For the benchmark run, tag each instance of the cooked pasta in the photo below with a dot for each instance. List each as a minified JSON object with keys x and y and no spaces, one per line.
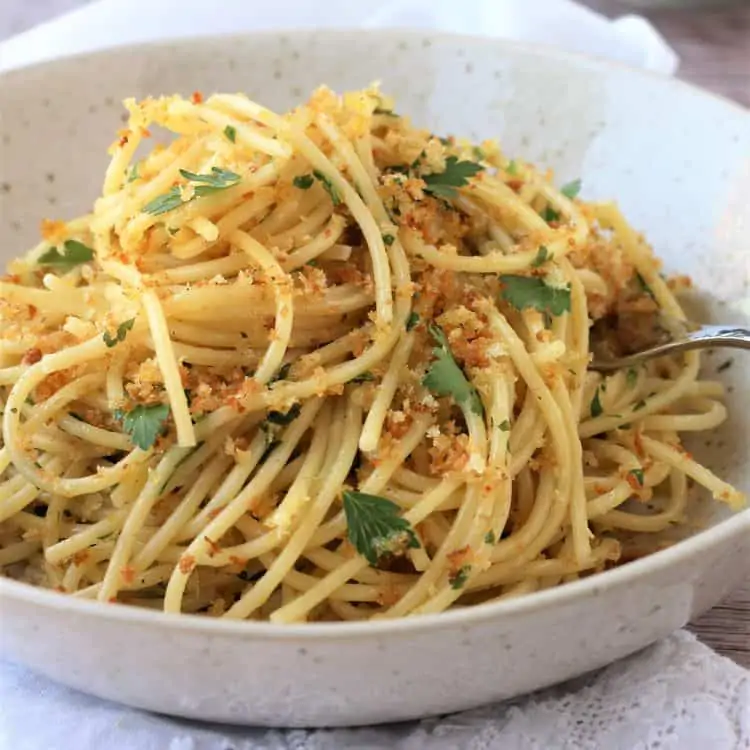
{"x":328,"y":366}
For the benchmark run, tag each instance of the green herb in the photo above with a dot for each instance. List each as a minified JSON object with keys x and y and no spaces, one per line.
{"x":412,"y":321}
{"x":643,"y":286}
{"x":478,"y":153}
{"x":542,"y":256}
{"x":328,"y":186}
{"x":173,"y":231}
{"x":122,"y":332}
{"x":512,"y":168}
{"x":208,"y":184}
{"x":632,"y":377}
{"x":572,"y":189}
{"x":29,"y":400}
{"x":388,"y":239}
{"x":549,"y":214}
{"x":144,"y":423}
{"x":638,"y":474}
{"x":456,"y":174}
{"x":639,"y":405}
{"x":374,"y":526}
{"x":303,"y":181}
{"x":724,"y":366}
{"x":74,"y":253}
{"x":458,"y":579}
{"x":445,"y":141}
{"x":134,"y":172}
{"x":504,"y":426}
{"x":489,"y":537}
{"x":383,"y":111}
{"x":446,"y":378}
{"x":530,"y":291}
{"x":231,"y":133}
{"x":282,"y":374}
{"x":596,"y":405}
{"x":282,"y":418}
{"x":365,"y":377}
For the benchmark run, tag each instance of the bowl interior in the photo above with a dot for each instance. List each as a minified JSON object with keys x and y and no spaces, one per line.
{"x":676,"y":160}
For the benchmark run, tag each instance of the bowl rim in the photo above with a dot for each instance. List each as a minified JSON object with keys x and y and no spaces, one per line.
{"x":697,"y":544}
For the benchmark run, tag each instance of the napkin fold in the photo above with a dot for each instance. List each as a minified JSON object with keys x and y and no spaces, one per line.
{"x":675,"y":695}
{"x":631,"y":40}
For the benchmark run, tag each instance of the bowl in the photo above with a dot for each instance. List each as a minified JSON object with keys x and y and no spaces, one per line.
{"x":678,"y":162}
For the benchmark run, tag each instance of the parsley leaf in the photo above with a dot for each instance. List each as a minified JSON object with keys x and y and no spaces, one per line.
{"x":303,"y":181}
{"x":134,"y":172}
{"x":374,"y":526}
{"x":504,"y":426}
{"x":489,"y":537}
{"x":530,"y":291}
{"x":549,"y":214}
{"x":388,"y":239}
{"x":231,"y":133}
{"x":632,"y":377}
{"x":144,"y":424}
{"x":412,"y":321}
{"x":122,"y":332}
{"x":512,"y":168}
{"x":596,"y":405}
{"x":446,"y":378}
{"x":639,"y":405}
{"x":207,"y":184}
{"x":458,"y":579}
{"x":456,"y":174}
{"x":637,"y":475}
{"x":365,"y":377}
{"x":163,"y":203}
{"x":571,"y":189}
{"x":643,"y":286}
{"x":328,"y":185}
{"x":282,"y":374}
{"x":542,"y":256}
{"x":74,"y":253}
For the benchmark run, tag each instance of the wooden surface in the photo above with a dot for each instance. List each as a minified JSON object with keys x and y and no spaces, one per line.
{"x":714,"y":48}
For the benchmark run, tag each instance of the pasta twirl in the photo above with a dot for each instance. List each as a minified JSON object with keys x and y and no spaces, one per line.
{"x":326,"y":365}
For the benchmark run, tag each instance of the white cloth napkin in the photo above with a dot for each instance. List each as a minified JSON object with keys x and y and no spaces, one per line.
{"x":677,"y":694}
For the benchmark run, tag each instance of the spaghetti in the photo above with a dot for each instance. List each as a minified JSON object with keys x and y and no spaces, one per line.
{"x":328,"y":366}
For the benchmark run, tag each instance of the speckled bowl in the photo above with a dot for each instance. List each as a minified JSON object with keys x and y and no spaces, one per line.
{"x":678,"y":161}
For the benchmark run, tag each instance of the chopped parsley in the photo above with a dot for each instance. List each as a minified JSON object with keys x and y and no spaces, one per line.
{"x":207,"y":184}
{"x":489,"y":537}
{"x":549,"y":214}
{"x":512,"y":168}
{"x":446,"y":378}
{"x":144,"y":424}
{"x":643,"y":286}
{"x":458,"y":579}
{"x":596,"y":405}
{"x":388,"y":239}
{"x":374,"y":526}
{"x":571,"y":189}
{"x":529,"y":291}
{"x":231,"y":133}
{"x":631,"y":378}
{"x":478,"y":153}
{"x":456,"y":174}
{"x":283,"y":418}
{"x":365,"y":377}
{"x":122,"y":332}
{"x":542,"y":256}
{"x":74,"y":253}
{"x":504,"y":426}
{"x":134,"y":172}
{"x":282,"y":374}
{"x":328,"y":186}
{"x":303,"y":181}
{"x":412,"y":321}
{"x":724,"y":366}
{"x":639,"y":405}
{"x":637,"y":475}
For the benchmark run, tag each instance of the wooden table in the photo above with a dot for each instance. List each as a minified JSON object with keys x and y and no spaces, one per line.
{"x":714,"y":47}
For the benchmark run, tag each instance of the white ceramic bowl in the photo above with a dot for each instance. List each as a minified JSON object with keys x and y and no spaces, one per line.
{"x":677,"y":160}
